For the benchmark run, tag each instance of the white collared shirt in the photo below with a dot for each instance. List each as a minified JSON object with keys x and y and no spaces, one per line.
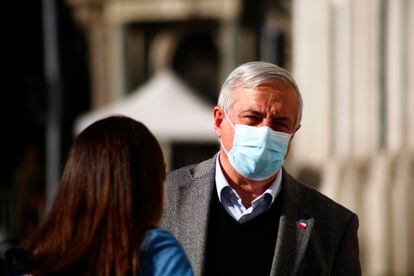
{"x":232,"y":202}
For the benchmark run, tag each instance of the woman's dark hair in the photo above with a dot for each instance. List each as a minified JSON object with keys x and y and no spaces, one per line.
{"x":110,"y":193}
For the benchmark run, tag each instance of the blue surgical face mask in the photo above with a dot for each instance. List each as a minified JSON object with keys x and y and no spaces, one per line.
{"x":257,"y":152}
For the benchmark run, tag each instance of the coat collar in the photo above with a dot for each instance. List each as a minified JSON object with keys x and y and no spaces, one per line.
{"x":295,"y":228}
{"x":193,"y":202}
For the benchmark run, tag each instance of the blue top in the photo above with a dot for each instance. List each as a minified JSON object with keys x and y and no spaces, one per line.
{"x":161,"y":254}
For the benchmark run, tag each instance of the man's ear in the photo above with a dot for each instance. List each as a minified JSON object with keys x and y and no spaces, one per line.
{"x":218,"y":120}
{"x":291,"y":138}
{"x":297,"y":128}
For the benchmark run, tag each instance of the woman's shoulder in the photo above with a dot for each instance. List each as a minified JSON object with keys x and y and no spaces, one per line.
{"x":158,"y":232}
{"x":158,"y":240}
{"x":162,"y":254}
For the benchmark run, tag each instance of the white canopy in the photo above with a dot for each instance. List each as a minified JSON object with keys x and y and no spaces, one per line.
{"x":166,"y":106}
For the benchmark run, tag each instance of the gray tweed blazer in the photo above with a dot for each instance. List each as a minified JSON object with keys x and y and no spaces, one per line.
{"x":326,"y":244}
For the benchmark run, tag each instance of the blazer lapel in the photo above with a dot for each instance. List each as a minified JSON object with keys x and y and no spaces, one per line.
{"x":194,"y":202}
{"x":295,"y":228}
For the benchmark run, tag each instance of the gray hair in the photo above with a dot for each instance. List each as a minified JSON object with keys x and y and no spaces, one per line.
{"x":252,"y":75}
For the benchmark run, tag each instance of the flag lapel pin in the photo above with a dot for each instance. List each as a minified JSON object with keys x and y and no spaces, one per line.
{"x":301,"y":224}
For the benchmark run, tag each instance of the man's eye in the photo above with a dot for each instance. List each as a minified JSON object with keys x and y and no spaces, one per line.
{"x":252,"y":118}
{"x":283,"y":127}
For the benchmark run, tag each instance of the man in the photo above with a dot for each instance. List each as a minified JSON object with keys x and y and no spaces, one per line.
{"x":241,"y":213}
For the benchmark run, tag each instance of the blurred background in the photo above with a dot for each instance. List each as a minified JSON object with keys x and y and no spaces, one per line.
{"x":69,"y":63}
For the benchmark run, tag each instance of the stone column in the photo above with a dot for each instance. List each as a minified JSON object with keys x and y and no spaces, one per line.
{"x":403,"y":215}
{"x":98,"y":64}
{"x":311,"y":54}
{"x":364,"y":79}
{"x":229,"y":41}
{"x":409,"y":57}
{"x":395,"y":72}
{"x":341,"y":78}
{"x":377,"y":217}
{"x":116,"y":61}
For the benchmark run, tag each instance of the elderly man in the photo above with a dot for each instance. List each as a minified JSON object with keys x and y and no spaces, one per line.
{"x":241,"y":213}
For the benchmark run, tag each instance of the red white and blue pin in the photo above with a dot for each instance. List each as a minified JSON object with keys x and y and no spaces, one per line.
{"x":301,"y":224}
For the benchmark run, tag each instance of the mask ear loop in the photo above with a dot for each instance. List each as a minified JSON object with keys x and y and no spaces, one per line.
{"x":222,"y":146}
{"x":228,"y":119}
{"x":221,"y":142}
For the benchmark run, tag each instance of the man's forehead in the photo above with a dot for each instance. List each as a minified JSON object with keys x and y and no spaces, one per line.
{"x":276,"y":82}
{"x":265,"y":97}
{"x":275,"y":91}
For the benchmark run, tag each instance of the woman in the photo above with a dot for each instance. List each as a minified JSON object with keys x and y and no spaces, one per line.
{"x":109,"y":202}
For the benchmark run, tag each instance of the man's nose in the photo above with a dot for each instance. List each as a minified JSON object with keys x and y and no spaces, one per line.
{"x":266,"y":122}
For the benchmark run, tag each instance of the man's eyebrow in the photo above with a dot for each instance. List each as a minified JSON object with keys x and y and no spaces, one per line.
{"x":280,"y":119}
{"x":283,"y":119}
{"x":252,"y":111}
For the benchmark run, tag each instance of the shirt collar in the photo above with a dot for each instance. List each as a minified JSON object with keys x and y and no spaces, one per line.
{"x":221,"y":183}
